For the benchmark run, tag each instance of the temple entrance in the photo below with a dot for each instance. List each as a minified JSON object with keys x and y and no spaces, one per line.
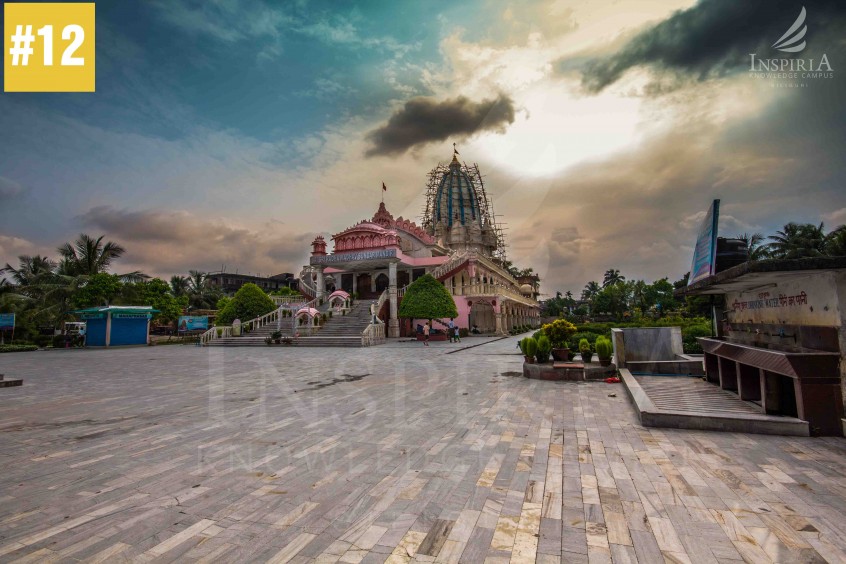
{"x":403,"y":279}
{"x":382,"y":283}
{"x":483,"y":316}
{"x":347,"y":283}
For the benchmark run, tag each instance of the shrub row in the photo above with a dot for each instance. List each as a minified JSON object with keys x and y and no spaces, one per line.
{"x":17,"y":348}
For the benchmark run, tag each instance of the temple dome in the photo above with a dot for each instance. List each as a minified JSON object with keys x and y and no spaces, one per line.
{"x":456,"y":201}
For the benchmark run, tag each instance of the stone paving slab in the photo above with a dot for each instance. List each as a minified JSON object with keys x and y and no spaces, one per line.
{"x":394,"y":453}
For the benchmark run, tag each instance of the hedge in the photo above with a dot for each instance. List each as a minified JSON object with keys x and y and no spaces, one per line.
{"x":17,"y":348}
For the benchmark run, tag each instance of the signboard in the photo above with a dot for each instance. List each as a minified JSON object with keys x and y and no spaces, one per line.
{"x":131,"y":315}
{"x":354,"y":256}
{"x":7,"y":321}
{"x":705,"y":251}
{"x":193,"y":323}
{"x":91,"y":315}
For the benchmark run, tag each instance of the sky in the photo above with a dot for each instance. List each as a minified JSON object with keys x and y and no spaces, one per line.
{"x":229,"y":133}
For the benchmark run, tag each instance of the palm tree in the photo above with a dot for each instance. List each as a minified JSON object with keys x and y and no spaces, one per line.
{"x":178,"y":285}
{"x":592,"y":288}
{"x":201,"y":294}
{"x":798,"y":241}
{"x":612,"y":276}
{"x":756,"y":249}
{"x":835,"y":242}
{"x":87,"y":256}
{"x":29,"y":269}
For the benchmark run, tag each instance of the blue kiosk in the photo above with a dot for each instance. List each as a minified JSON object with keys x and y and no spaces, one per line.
{"x":111,"y":326}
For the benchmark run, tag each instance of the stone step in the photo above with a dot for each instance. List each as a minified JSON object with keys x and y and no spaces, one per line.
{"x":301,"y":342}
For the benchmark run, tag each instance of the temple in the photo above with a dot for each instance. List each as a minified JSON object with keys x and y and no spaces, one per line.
{"x":458,"y":243}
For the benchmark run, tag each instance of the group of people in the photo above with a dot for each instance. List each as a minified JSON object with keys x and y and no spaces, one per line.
{"x":453,"y":332}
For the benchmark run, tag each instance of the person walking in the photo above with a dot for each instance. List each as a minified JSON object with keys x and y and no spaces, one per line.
{"x":451,"y":329}
{"x":457,"y":335}
{"x":426,"y":330}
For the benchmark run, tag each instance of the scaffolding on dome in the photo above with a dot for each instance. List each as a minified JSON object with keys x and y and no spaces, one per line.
{"x":486,"y":211}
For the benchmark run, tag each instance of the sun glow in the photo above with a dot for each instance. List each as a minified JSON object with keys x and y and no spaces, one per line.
{"x":559,"y":128}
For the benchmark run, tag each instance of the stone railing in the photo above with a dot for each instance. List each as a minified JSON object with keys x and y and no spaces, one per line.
{"x":306,"y":283}
{"x":374,"y":334}
{"x":381,"y":301}
{"x":482,"y":289}
{"x":401,"y":292}
{"x":285,"y":300}
{"x":454,"y":261}
{"x":212,"y":333}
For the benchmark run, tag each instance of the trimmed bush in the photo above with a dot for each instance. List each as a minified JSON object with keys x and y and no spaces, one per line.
{"x":17,"y":348}
{"x":544,"y":349}
{"x":604,"y":348}
{"x":426,"y":298}
{"x":531,"y":347}
{"x":248,"y":303}
{"x":559,"y":332}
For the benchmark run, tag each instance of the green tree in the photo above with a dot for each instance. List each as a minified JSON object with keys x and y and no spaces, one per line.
{"x":178,"y":285}
{"x":98,"y":290}
{"x":613,"y":299}
{"x":835,"y":242}
{"x":592,"y":288}
{"x":249,"y":302}
{"x":29,"y":269}
{"x":156,"y":293}
{"x":201,"y":294}
{"x":426,"y":298}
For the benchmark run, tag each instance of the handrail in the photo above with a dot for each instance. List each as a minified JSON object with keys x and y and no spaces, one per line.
{"x":401,"y":291}
{"x":373,"y":334}
{"x":282,"y":300}
{"x":380,"y":302}
{"x":453,"y":261}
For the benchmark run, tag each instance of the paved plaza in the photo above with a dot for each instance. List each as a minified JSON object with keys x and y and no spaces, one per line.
{"x":387,"y":454}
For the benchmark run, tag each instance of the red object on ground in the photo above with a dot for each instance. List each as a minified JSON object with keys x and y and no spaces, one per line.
{"x":612,"y":380}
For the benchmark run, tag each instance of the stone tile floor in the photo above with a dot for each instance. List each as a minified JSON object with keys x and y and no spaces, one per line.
{"x":388,"y":454}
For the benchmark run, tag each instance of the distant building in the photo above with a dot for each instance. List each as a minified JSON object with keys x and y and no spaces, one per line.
{"x":458,"y":243}
{"x":229,"y":282}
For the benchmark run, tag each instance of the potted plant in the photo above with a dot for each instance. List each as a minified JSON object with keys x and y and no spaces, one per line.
{"x":604,"y":350}
{"x":544,"y":348}
{"x":219,"y":332}
{"x":530,"y":348}
{"x":268,"y":340}
{"x":559,"y":332}
{"x":584,"y":348}
{"x":276,"y":336}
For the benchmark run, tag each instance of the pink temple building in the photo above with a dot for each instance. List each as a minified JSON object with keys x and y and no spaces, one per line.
{"x":458,"y":243}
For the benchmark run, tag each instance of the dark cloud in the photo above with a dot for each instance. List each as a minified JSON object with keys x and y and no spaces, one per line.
{"x":9,"y":188}
{"x":162,"y":242}
{"x":715,"y":38}
{"x":423,"y":120}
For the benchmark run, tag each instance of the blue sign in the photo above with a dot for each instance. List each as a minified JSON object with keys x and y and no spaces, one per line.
{"x":198,"y":323}
{"x":7,"y":321}
{"x":705,"y":252}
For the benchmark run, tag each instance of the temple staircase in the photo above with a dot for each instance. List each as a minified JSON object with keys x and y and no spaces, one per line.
{"x":338,"y":331}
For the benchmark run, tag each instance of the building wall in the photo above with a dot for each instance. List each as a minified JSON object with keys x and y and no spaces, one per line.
{"x":784,"y":302}
{"x":822,"y":305}
{"x":95,"y":332}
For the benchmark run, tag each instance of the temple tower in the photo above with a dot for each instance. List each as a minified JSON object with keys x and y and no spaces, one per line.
{"x":458,"y":213}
